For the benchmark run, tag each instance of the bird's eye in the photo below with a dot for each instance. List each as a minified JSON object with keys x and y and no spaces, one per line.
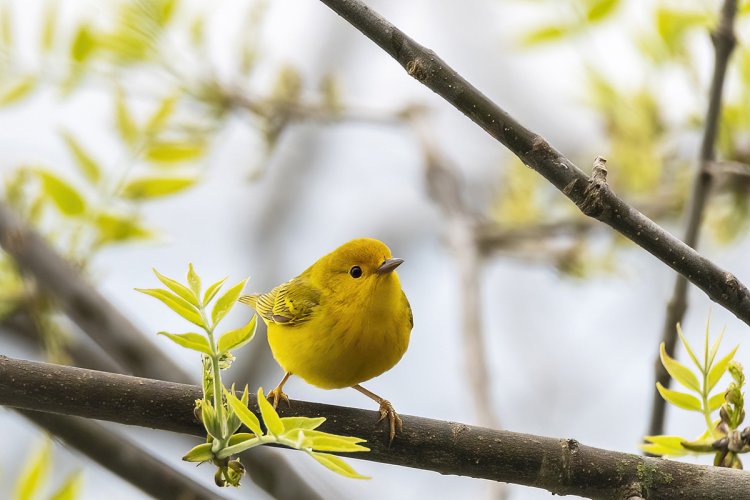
{"x":355,"y":272}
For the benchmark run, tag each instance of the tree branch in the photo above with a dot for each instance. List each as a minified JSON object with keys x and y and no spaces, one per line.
{"x":595,"y":199}
{"x":724,"y":42}
{"x":562,"y":466}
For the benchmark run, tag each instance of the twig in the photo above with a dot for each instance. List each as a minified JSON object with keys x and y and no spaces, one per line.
{"x":562,"y":466}
{"x":724,"y":42}
{"x":594,"y":199}
{"x":122,"y":457}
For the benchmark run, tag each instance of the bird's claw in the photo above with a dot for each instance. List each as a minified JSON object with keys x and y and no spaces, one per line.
{"x":394,"y":421}
{"x":277,"y":394}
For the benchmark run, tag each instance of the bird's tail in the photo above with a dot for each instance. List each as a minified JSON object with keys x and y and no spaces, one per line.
{"x":250,"y":300}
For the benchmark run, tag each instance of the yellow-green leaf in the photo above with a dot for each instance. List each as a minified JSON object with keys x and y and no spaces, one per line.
{"x":545,"y":34}
{"x":6,"y":32}
{"x":304,"y":423}
{"x":679,"y":399}
{"x":158,"y":119}
{"x":34,"y":472}
{"x":715,"y":402}
{"x":270,"y":417}
{"x":126,"y":125}
{"x":200,"y":453}
{"x":174,"y":152}
{"x":70,"y":489}
{"x":145,"y":188}
{"x":688,"y":348}
{"x":323,"y":441}
{"x":234,"y":339}
{"x":337,"y":465}
{"x":194,"y":280}
{"x":664,"y":445}
{"x":178,"y":288}
{"x":88,"y":166}
{"x":115,"y":228}
{"x":212,"y":290}
{"x":714,"y":348}
{"x":65,"y":197}
{"x":719,"y":368}
{"x":244,"y":413}
{"x":191,"y":340}
{"x":240,"y":437}
{"x":50,"y":26}
{"x":17,"y":91}
{"x":678,"y":371}
{"x":176,"y":303}
{"x":83,"y":45}
{"x":225,"y":303}
{"x":600,"y":9}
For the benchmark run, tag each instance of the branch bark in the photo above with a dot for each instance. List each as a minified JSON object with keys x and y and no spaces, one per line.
{"x":562,"y":466}
{"x":594,"y":199}
{"x":724,"y":41}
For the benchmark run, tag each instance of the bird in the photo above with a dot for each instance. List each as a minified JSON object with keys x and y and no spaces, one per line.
{"x":341,"y":322}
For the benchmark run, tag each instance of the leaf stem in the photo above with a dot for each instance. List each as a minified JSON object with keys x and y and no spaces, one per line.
{"x":218,"y":399}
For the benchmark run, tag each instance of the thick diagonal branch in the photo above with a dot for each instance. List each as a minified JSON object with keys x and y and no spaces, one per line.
{"x":424,"y":65}
{"x":724,"y":42}
{"x":562,"y":466}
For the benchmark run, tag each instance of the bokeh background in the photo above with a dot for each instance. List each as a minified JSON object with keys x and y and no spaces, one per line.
{"x":290,"y":133}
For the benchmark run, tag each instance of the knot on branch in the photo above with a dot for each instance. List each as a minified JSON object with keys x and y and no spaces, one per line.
{"x":733,"y":284}
{"x":417,"y":68}
{"x":569,"y":454}
{"x":593,"y":203}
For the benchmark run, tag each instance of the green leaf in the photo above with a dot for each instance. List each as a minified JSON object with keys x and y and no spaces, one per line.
{"x":14,"y":93}
{"x":65,"y":197}
{"x":304,"y":423}
{"x":145,"y":188}
{"x":234,"y":339}
{"x":200,"y":453}
{"x":70,"y":489}
{"x":664,"y":445}
{"x":178,"y":288}
{"x":323,"y":441}
{"x":225,"y":303}
{"x":116,"y":228}
{"x":212,"y":290}
{"x":678,"y":371}
{"x":191,"y":340}
{"x":83,"y":45}
{"x":176,"y":303}
{"x":194,"y":280}
{"x":337,"y":465}
{"x":126,"y":126}
{"x":715,"y":402}
{"x":688,"y":348}
{"x":174,"y":152}
{"x":719,"y":369}
{"x":244,"y":413}
{"x":270,"y":417}
{"x":679,"y":399}
{"x":34,"y":472}
{"x":85,"y":162}
{"x":597,"y":10}
{"x":50,"y":27}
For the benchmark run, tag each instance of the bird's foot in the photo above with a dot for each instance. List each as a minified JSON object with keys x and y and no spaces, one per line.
{"x":394,"y":421}
{"x":277,"y":394}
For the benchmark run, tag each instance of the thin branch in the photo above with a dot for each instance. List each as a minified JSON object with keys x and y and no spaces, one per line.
{"x":109,"y":328}
{"x":724,"y":42}
{"x":562,"y":466}
{"x":593,"y":198}
{"x":122,"y":457}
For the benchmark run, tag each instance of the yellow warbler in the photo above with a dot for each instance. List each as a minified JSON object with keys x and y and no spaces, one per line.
{"x":341,"y":322}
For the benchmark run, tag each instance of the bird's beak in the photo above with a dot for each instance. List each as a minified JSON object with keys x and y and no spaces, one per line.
{"x":389,"y":265}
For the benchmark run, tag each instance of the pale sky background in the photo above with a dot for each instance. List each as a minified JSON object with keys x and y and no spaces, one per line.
{"x":568,"y":359}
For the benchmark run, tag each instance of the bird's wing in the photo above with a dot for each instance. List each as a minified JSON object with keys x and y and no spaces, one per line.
{"x":290,"y":303}
{"x":408,"y":307}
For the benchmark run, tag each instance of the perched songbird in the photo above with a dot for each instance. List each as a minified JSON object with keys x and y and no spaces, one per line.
{"x":341,"y":322}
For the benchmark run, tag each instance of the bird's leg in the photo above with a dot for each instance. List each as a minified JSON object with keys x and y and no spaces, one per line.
{"x":276,"y":394}
{"x":386,"y":410}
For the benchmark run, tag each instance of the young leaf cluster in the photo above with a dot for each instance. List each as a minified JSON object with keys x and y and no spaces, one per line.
{"x":722,"y":437}
{"x":221,"y":412}
{"x":35,"y":474}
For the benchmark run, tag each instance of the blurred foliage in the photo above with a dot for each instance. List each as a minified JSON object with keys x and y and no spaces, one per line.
{"x":35,"y":474}
{"x":652,"y":147}
{"x":221,"y":412}
{"x":723,"y":437}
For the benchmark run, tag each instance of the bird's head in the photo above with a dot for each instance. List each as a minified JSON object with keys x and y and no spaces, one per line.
{"x":358,"y":267}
